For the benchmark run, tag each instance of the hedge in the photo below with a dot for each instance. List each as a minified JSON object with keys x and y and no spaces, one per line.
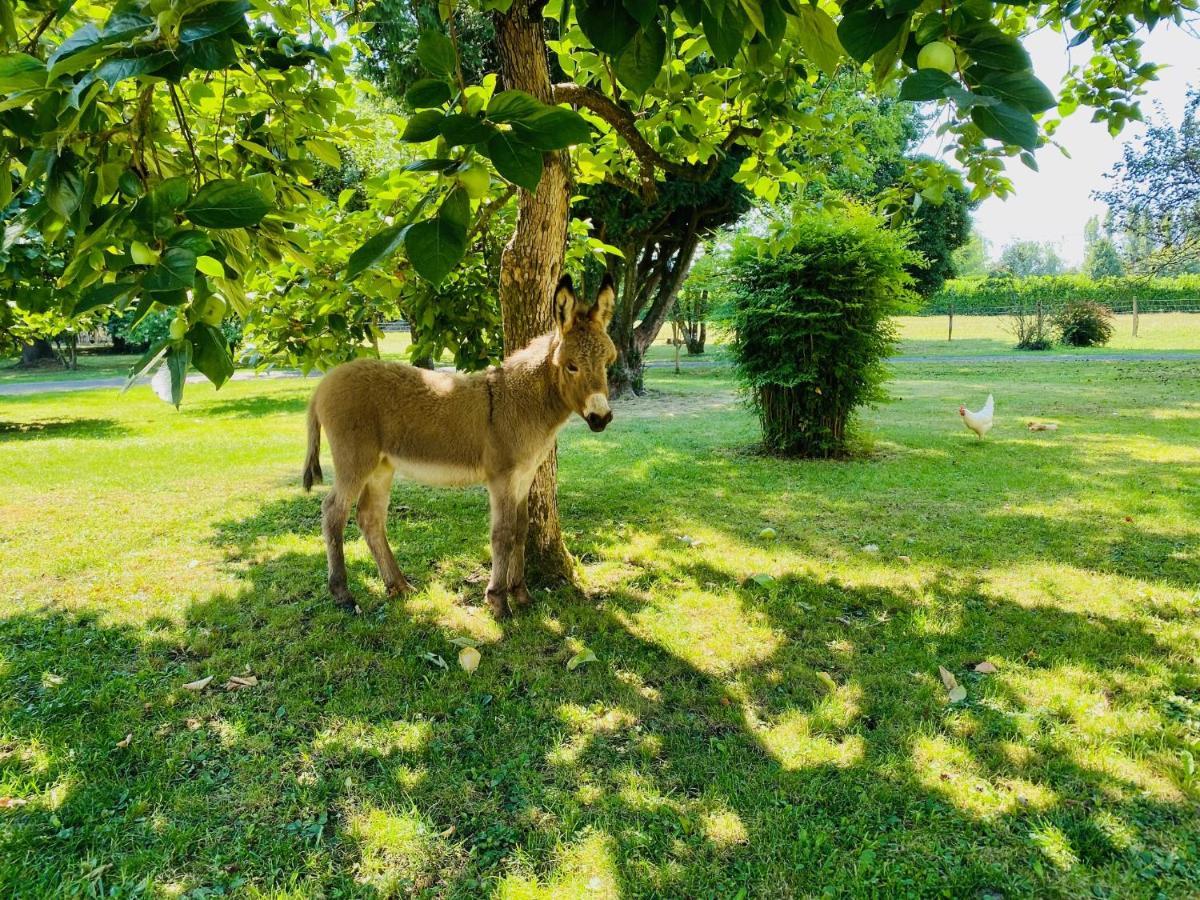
{"x":997,"y":295}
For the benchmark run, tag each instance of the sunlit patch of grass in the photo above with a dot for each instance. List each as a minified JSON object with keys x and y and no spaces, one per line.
{"x":724,"y":828}
{"x":586,"y":868}
{"x":951,"y":770}
{"x":792,"y":739}
{"x":399,"y":850}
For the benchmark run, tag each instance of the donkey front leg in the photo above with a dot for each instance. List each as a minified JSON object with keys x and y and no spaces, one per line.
{"x":518,"y":593}
{"x":372,"y":520}
{"x":506,"y":523}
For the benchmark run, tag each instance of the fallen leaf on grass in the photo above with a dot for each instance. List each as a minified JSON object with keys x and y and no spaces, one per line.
{"x":126,"y":741}
{"x":12,"y":802}
{"x":948,"y":678}
{"x":445,"y":834}
{"x":986,"y":668}
{"x":958,"y":694}
{"x":435,"y":660}
{"x":199,"y":684}
{"x":871,"y":548}
{"x":193,"y":724}
{"x":583,"y":656}
{"x":690,"y":541}
{"x":827,"y":680}
{"x":468,"y":659}
{"x":762,"y":579}
{"x":237,"y":682}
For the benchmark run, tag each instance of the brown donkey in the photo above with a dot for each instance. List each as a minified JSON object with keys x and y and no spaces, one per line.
{"x":446,"y":428}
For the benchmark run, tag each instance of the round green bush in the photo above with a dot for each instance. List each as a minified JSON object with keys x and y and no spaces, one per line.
{"x":812,"y":329}
{"x":1084,"y":323}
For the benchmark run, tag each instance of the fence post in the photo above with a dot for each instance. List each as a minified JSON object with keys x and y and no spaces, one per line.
{"x":950,"y":332}
{"x":1135,"y":315}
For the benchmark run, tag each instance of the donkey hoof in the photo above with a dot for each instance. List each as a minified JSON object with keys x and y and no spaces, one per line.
{"x":498,"y":603}
{"x":344,"y":601}
{"x":400,"y":588}
{"x":519,"y":596}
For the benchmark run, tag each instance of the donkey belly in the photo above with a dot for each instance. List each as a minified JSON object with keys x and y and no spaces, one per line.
{"x":438,"y":474}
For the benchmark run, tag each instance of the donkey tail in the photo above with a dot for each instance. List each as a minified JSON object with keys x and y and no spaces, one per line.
{"x":312,"y":463}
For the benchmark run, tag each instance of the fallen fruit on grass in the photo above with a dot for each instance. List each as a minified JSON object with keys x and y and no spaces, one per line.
{"x":468,"y":659}
{"x":936,"y":55}
{"x":767,"y":534}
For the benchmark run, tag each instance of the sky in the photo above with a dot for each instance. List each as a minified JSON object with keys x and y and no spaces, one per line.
{"x":1055,"y":203}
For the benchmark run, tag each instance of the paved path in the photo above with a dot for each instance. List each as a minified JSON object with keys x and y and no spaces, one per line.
{"x":115,"y":383}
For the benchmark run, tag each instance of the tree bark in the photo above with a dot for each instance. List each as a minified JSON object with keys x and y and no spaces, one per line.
{"x":531,"y":264}
{"x":36,"y":352}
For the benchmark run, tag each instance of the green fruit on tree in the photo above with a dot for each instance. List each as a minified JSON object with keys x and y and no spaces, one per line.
{"x":475,"y":179}
{"x":178,"y":328}
{"x":142,"y":255}
{"x":214,"y":311}
{"x":936,"y":55}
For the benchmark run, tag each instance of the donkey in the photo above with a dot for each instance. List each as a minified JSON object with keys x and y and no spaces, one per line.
{"x":446,"y":428}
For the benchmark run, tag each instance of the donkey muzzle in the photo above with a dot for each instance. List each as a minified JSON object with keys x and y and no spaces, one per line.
{"x":598,"y":422}
{"x":596,"y":412}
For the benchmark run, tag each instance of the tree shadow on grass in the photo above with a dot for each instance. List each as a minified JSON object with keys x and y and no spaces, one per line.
{"x":257,"y":407}
{"x":46,"y":429}
{"x":777,"y":741}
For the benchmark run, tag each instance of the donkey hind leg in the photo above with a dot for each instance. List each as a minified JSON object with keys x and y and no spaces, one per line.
{"x":372,"y":519}
{"x":351,"y":471}
{"x":504,"y":528}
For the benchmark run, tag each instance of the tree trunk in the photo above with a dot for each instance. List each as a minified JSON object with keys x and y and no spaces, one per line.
{"x":531,"y":264}
{"x":36,"y":352}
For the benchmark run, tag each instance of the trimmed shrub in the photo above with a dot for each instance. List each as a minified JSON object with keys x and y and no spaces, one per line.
{"x":1084,"y":323}
{"x":812,"y":328}
{"x":993,"y":295}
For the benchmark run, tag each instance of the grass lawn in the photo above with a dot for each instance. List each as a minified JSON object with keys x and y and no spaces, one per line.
{"x":790,"y":738}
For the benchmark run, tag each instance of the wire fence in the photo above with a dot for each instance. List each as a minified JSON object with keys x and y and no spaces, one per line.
{"x":938,"y":307}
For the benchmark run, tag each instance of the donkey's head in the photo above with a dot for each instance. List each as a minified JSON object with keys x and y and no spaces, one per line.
{"x":584,"y":351}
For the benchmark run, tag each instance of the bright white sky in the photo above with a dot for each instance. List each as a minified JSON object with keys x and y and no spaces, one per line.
{"x":1054,"y":203}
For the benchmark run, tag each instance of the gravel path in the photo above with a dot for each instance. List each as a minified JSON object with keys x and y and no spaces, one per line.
{"x":90,"y":384}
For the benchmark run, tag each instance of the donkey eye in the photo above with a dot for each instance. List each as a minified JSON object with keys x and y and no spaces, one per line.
{"x":572,"y":368}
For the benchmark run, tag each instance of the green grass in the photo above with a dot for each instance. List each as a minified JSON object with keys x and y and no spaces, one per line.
{"x":988,"y":335}
{"x":89,"y":366}
{"x":791,"y":739}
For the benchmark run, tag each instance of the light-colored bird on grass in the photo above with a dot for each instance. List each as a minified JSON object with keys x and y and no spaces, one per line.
{"x":979,"y":422}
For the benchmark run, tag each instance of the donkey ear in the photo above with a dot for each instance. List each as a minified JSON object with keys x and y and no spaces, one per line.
{"x":602,"y":309}
{"x":564,"y":303}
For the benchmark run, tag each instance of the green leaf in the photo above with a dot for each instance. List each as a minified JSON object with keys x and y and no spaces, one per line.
{"x":818,"y":38}
{"x":212,"y":54}
{"x":460,"y":128}
{"x":1008,"y":124}
{"x":1018,"y":88}
{"x":645,"y":11}
{"x":64,"y":190}
{"x":375,"y":249}
{"x":582,"y":657}
{"x":209,"y":266}
{"x":210,"y":353}
{"x":325,"y":151}
{"x":724,"y":33}
{"x":515,"y":161}
{"x":927,"y":84}
{"x":227,"y":204}
{"x":20,"y":71}
{"x":212,"y":19}
{"x":125,"y":24}
{"x":864,"y":32}
{"x":196,"y":241}
{"x":514,"y":106}
{"x":606,"y":24}
{"x":456,"y":208}
{"x":554,"y":129}
{"x":145,"y":361}
{"x":175,"y":271}
{"x":436,"y":52}
{"x":172,"y":193}
{"x":427,"y":92}
{"x":424,"y":126}
{"x":113,"y":71}
{"x":103,"y":295}
{"x":435,"y":247}
{"x":430,"y":165}
{"x":178,"y":357}
{"x":639,"y":63}
{"x":992,"y":48}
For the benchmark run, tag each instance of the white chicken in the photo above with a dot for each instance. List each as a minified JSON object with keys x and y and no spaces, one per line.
{"x":979,"y":422}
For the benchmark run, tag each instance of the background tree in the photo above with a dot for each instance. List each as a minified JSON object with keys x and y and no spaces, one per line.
{"x":1154,"y":194}
{"x":972,"y":257}
{"x":1023,"y":258}
{"x":1101,"y":258}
